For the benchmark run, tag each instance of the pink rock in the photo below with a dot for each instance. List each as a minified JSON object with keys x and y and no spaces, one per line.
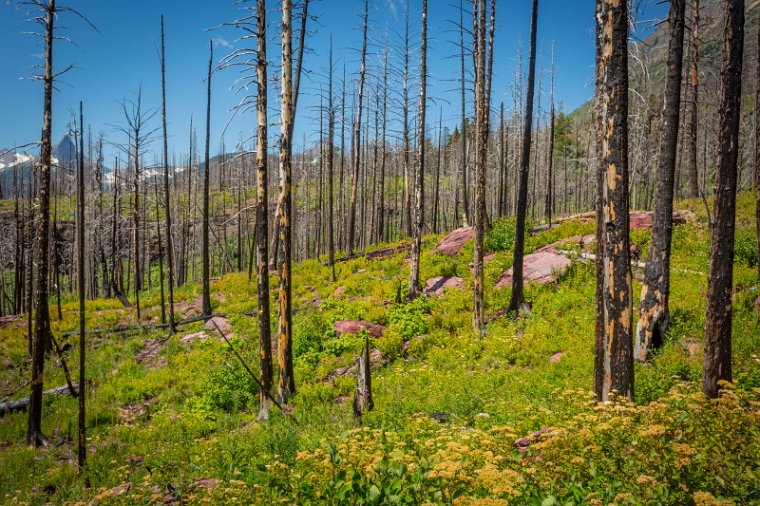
{"x":191,"y":338}
{"x":489,"y":257}
{"x":353,"y":326}
{"x":556,"y":357}
{"x":452,"y":244}
{"x":206,"y":482}
{"x":219,"y":321}
{"x":340,"y":291}
{"x":541,"y":267}
{"x":437,"y":285}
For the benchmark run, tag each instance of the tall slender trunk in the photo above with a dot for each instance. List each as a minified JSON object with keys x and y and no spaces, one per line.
{"x":206,"y":175}
{"x":691,"y":105}
{"x":42,"y":316}
{"x":286,"y":386}
{"x":467,"y":219}
{"x":262,"y":205}
{"x":616,"y":374}
{"x":82,"y":422}
{"x":655,"y":291}
{"x":357,"y":139}
{"x":167,"y":186}
{"x":330,"y":167}
{"x":549,"y":204}
{"x":517,"y":300}
{"x":419,"y":184}
{"x":717,"y":358}
{"x":481,"y":159}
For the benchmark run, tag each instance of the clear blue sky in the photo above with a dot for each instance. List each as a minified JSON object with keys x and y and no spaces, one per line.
{"x":112,"y":64}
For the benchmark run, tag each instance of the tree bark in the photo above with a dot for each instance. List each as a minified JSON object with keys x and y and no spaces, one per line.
{"x":206,"y":281}
{"x":655,"y":291}
{"x":717,"y":357}
{"x":82,"y":421}
{"x":286,"y":384}
{"x":612,"y":80}
{"x":419,"y":183}
{"x":517,"y":301}
{"x":42,"y":315}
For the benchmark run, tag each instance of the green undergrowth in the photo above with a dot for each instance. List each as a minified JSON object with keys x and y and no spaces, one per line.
{"x":180,"y":424}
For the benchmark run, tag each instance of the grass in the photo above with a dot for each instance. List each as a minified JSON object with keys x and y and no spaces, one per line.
{"x":181,"y":427}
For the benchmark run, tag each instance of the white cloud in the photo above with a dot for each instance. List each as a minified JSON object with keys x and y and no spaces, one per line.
{"x":219,"y":41}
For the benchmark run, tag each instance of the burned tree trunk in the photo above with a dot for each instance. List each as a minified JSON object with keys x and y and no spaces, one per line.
{"x":262,"y":200}
{"x":363,"y":401}
{"x":286,"y":386}
{"x":167,"y":186}
{"x":419,"y":183}
{"x":616,"y":373}
{"x":206,"y":281}
{"x":717,"y":358}
{"x":655,"y":291}
{"x":691,"y":105}
{"x":350,"y":232}
{"x":82,"y":421}
{"x":42,"y":315}
{"x":517,"y":301}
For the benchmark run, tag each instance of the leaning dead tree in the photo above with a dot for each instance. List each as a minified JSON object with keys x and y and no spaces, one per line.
{"x":655,"y":291}
{"x":616,"y":364}
{"x":717,"y":358}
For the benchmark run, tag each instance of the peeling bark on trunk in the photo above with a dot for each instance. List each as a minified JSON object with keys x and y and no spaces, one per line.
{"x":655,"y":291}
{"x":616,"y":347}
{"x":717,"y":357}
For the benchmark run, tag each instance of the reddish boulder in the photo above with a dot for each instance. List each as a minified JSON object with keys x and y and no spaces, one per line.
{"x":353,"y":326}
{"x":219,"y":321}
{"x":437,"y":285}
{"x":541,"y":267}
{"x":452,"y":244}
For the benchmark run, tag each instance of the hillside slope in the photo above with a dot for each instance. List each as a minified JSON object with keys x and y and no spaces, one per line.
{"x":457,"y":420}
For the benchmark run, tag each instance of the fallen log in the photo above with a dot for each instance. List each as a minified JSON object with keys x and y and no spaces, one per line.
{"x":23,"y":403}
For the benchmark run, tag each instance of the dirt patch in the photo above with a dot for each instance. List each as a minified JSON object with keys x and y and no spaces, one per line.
{"x":131,"y":413}
{"x":149,"y":355}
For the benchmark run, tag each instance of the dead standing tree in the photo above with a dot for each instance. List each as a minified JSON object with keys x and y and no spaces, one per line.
{"x":419,"y":183}
{"x":717,"y":358}
{"x":517,"y":301}
{"x":655,"y":291}
{"x":615,"y":355}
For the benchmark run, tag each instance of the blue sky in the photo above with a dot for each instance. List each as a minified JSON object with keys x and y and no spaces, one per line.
{"x":113,"y":64}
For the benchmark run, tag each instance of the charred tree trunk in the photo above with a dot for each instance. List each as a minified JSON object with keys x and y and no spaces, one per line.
{"x":616,"y":373}
{"x":517,"y":301}
{"x":691,"y":105}
{"x":481,"y":158}
{"x":42,"y":316}
{"x":419,"y":183}
{"x":655,"y":291}
{"x":262,"y":204}
{"x":167,"y":186}
{"x":717,"y":358}
{"x":286,"y":386}
{"x":330,"y":168}
{"x":206,"y":281}
{"x":350,"y":233}
{"x":82,"y":421}
{"x":467,"y":219}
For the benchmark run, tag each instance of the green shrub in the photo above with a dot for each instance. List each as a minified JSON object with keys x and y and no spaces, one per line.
{"x":409,"y":319}
{"x":230,"y":387}
{"x":745,"y":249}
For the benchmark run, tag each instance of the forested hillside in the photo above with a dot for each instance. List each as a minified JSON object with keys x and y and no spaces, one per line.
{"x":505,"y":303}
